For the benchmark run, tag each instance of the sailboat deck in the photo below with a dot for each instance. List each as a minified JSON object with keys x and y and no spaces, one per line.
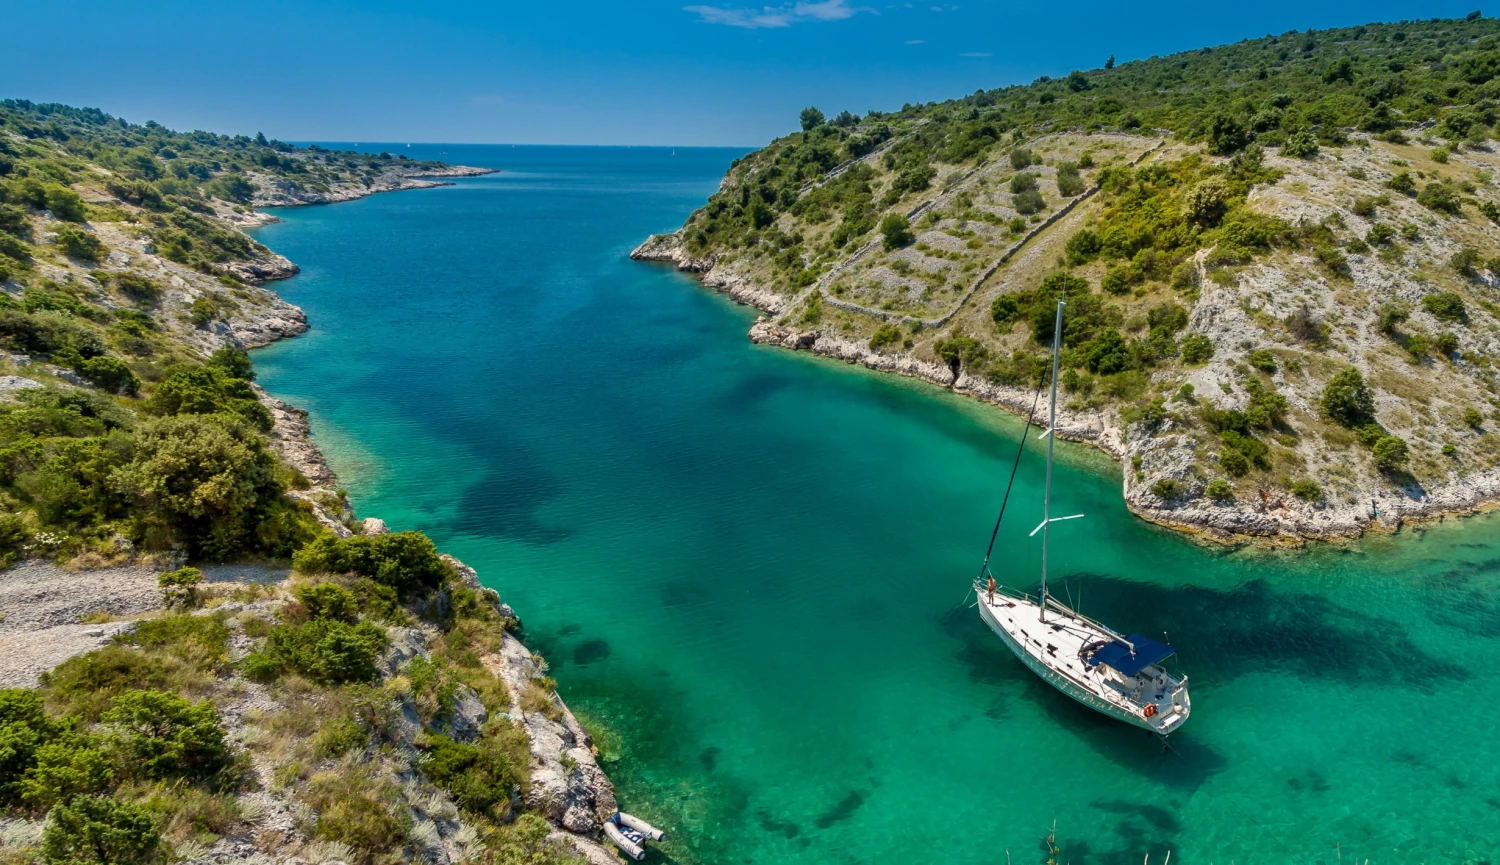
{"x":1056,"y":645}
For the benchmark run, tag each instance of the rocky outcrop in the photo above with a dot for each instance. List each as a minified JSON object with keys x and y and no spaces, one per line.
{"x":275,"y":192}
{"x":263,"y":268}
{"x":567,"y":785}
{"x":291,"y":436}
{"x":668,"y":248}
{"x":266,"y":324}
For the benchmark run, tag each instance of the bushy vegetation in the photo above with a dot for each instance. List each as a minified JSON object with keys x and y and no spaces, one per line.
{"x":1297,"y":91}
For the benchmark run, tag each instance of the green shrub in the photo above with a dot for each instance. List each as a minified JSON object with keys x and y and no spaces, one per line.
{"x":403,"y":560}
{"x":1082,"y":247}
{"x":1116,"y":281}
{"x":1004,"y":310}
{"x":1069,"y":182}
{"x":64,"y":771}
{"x":96,"y":830}
{"x":1262,"y":359}
{"x":1196,"y":348}
{"x":1390,"y":452}
{"x":1220,"y":490}
{"x":1307,"y":490}
{"x":1446,"y":306}
{"x":233,"y":362}
{"x":1300,"y":145}
{"x":329,"y":601}
{"x":64,"y":203}
{"x":1442,"y":197}
{"x":1165,"y":488}
{"x":886,"y":335}
{"x":24,"y":728}
{"x":896,"y":231}
{"x":1392,"y":316}
{"x":1347,"y":400}
{"x":1472,"y":418}
{"x":80,"y":244}
{"x":138,"y":288}
{"x":339,"y":736}
{"x":109,"y":373}
{"x":1380,"y":234}
{"x":1234,"y":463}
{"x":481,"y":777}
{"x":1403,"y":183}
{"x":1020,"y":158}
{"x":192,"y":389}
{"x":1028,"y":202}
{"x":163,"y":736}
{"x":179,"y":588}
{"x":324,"y":650}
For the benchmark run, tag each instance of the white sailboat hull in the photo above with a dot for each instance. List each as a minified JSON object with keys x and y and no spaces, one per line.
{"x":1052,"y":650}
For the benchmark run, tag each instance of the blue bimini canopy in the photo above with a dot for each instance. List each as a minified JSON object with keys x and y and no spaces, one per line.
{"x":1118,"y":655}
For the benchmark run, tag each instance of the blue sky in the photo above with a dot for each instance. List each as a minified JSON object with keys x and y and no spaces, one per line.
{"x":687,"y":72}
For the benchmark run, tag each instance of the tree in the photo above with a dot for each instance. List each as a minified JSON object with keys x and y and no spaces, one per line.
{"x":811,"y":119}
{"x":1207,"y":201}
{"x":1347,"y":400}
{"x":1069,"y":183}
{"x":1077,"y":81}
{"x":202,"y":480}
{"x":98,"y":830}
{"x":897,"y":231}
{"x":1110,"y":63}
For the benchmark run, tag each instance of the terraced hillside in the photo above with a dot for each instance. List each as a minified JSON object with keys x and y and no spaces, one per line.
{"x":1280,"y":260}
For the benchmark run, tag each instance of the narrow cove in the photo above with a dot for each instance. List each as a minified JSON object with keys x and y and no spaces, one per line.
{"x":750,"y":565}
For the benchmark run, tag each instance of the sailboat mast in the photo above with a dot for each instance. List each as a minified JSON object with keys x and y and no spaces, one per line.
{"x":1051,"y":437}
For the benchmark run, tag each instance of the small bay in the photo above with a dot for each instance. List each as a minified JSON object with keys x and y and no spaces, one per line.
{"x":750,"y":565}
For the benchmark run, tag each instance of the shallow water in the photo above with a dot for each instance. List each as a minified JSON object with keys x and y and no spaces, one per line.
{"x":750,"y":563}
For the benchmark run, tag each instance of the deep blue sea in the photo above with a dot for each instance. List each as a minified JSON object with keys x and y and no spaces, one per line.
{"x":750,"y":565}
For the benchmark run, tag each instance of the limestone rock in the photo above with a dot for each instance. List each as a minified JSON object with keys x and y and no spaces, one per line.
{"x":374,"y":526}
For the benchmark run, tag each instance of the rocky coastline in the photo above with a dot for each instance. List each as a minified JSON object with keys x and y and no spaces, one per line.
{"x":1274,"y":520}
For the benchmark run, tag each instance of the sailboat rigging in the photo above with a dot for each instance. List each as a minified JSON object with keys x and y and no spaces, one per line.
{"x":1117,"y":675}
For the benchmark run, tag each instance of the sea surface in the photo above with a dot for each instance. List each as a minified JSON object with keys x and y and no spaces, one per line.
{"x":750,"y":566}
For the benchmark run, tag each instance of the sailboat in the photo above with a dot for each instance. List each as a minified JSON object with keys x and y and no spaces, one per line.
{"x":1120,"y":676}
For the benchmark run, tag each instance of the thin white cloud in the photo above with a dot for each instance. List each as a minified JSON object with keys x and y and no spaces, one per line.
{"x":915,"y":41}
{"x":778,"y":16}
{"x":976,"y":54}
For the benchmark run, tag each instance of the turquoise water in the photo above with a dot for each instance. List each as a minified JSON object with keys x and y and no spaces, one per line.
{"x":750,"y":563}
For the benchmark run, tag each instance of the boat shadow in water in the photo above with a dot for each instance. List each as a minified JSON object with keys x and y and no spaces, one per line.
{"x":1252,"y":628}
